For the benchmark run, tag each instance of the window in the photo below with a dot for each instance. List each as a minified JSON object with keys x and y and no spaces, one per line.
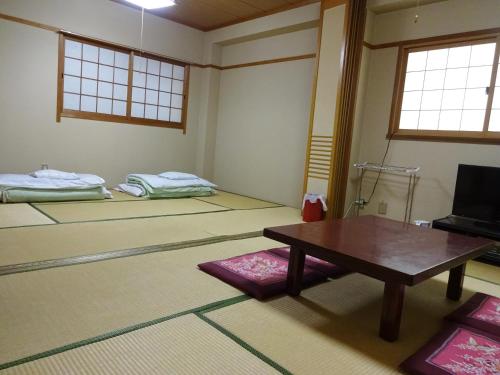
{"x":100,"y":81}
{"x":447,"y":91}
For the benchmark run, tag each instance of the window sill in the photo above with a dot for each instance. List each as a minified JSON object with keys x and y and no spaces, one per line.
{"x":446,"y":136}
{"x":121,"y":119}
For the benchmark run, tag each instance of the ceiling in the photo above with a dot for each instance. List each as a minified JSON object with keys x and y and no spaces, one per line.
{"x":208,"y":15}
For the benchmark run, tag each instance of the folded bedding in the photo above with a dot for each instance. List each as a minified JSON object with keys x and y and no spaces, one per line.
{"x":157,"y":182}
{"x":131,"y":189}
{"x":178,"y":176}
{"x":27,"y":188}
{"x":20,"y":195}
{"x":84,"y":181}
{"x":157,"y":187}
{"x":54,"y":174}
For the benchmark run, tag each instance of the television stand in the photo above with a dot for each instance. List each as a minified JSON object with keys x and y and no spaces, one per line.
{"x":473,"y":227}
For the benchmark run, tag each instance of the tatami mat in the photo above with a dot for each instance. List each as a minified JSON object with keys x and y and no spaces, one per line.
{"x":50,"y":308}
{"x":483,"y":271}
{"x":67,"y":213}
{"x":21,"y":214}
{"x":333,"y":327}
{"x":236,"y":201}
{"x":185,"y":345}
{"x":21,"y":245}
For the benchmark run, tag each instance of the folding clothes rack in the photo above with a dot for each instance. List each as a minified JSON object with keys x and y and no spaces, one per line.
{"x":411,"y":172}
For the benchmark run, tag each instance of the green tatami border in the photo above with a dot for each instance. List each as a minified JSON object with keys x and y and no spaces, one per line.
{"x":122,"y":331}
{"x":138,"y":217}
{"x":240,"y":342}
{"x":44,"y":214}
{"x":247,"y":196}
{"x":115,"y":254}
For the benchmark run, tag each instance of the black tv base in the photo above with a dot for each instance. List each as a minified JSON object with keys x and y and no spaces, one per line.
{"x":473,"y":227}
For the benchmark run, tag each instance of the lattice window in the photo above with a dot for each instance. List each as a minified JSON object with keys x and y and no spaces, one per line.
{"x":448,"y":90}
{"x":102,"y":82}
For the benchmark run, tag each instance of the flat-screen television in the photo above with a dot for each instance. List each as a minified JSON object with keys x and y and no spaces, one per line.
{"x":477,"y":193}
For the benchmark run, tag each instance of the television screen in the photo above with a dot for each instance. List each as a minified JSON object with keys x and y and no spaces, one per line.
{"x":477,"y":193}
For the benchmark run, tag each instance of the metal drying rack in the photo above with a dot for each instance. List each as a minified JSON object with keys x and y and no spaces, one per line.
{"x":411,"y":172}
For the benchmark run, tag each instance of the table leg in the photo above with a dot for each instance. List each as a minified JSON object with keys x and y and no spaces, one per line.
{"x":391,"y":311}
{"x":455,"y":282}
{"x":295,"y":271}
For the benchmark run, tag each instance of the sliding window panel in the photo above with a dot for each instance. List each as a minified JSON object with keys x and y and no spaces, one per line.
{"x":494,"y":124}
{"x":119,"y":84}
{"x":157,"y":90}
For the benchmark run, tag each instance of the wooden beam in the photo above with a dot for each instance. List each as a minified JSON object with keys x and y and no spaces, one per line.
{"x":344,"y":122}
{"x":29,"y":22}
{"x":467,"y":35}
{"x":271,"y":61}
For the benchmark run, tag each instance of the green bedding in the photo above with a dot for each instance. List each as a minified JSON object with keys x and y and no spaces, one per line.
{"x":178,"y":192}
{"x":18,"y":195}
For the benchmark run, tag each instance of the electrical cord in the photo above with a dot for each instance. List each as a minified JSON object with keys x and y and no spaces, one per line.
{"x":349,"y":209}
{"x":380,"y":171}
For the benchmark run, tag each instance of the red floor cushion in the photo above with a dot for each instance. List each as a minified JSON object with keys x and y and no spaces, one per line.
{"x":261,"y":274}
{"x":329,"y":269}
{"x":481,"y":311}
{"x":457,"y":349}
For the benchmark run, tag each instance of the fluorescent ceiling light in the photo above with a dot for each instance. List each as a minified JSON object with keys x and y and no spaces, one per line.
{"x":152,"y":4}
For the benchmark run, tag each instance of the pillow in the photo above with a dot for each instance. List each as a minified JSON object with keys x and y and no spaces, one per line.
{"x":456,"y":350}
{"x":481,"y":311}
{"x":329,"y":269}
{"x":54,"y":174}
{"x":178,"y":176}
{"x":261,"y":274}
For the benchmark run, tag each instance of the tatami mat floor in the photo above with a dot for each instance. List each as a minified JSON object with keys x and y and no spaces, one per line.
{"x":21,"y":214}
{"x":185,"y":345}
{"x":335,"y":325}
{"x":156,"y":313}
{"x":32,"y":244}
{"x":79,"y":212}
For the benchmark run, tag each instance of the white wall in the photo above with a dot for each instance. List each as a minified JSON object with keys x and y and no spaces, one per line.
{"x":263,"y":118}
{"x":295,"y":43}
{"x":438,"y":160}
{"x":262,"y":25}
{"x":247,"y":128}
{"x":29,"y":133}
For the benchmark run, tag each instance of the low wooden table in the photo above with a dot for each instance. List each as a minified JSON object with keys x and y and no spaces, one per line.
{"x":397,"y":253}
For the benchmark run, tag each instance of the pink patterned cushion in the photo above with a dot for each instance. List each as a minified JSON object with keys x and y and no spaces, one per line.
{"x":329,"y":269}
{"x":261,"y":274}
{"x":481,"y":311}
{"x":457,"y":350}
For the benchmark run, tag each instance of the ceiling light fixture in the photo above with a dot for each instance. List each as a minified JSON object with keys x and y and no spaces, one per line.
{"x":415,"y":20}
{"x":152,"y":4}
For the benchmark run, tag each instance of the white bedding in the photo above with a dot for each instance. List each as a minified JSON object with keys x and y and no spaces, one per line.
{"x":158,"y":182}
{"x":85,"y":181}
{"x":132,"y":189}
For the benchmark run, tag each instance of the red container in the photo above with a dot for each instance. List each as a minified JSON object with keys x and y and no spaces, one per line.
{"x":312,"y":211}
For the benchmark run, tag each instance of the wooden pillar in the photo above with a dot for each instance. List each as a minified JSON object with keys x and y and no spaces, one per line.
{"x":344,"y":122}
{"x":333,"y":99}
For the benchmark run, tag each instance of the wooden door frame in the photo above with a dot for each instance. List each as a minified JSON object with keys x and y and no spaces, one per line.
{"x":346,"y":106}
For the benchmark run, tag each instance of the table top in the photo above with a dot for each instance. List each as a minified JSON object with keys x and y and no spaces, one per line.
{"x":385,"y":249}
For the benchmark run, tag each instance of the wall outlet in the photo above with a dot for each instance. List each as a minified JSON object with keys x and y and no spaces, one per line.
{"x":382,"y":208}
{"x":360,"y":203}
